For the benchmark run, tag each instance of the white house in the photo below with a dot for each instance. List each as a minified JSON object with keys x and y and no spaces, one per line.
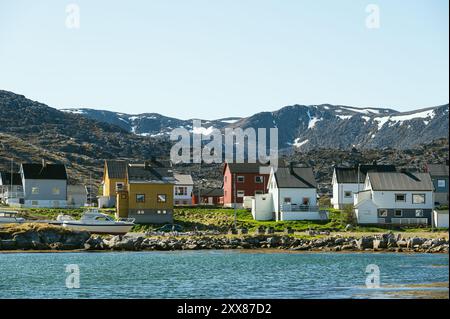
{"x":292,"y":195}
{"x":10,"y":188}
{"x":182,"y":192}
{"x":345,"y":182}
{"x":440,"y":218}
{"x":77,"y":196}
{"x":395,"y":198}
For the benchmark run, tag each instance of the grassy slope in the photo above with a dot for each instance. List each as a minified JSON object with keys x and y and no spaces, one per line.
{"x":222,"y":219}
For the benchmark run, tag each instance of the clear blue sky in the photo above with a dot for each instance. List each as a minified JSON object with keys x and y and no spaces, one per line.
{"x":219,"y":58}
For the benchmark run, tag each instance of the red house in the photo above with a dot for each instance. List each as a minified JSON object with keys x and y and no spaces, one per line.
{"x":242,"y":179}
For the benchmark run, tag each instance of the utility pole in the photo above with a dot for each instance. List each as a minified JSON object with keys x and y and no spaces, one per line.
{"x":235,"y":200}
{"x":11,"y":177}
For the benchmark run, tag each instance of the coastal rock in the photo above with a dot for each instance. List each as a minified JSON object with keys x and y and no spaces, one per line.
{"x":365,"y":243}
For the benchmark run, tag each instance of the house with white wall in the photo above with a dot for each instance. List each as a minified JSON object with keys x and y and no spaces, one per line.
{"x":291,"y":195}
{"x":349,"y":180}
{"x":10,"y":186}
{"x":182,"y":190}
{"x":44,"y":185}
{"x":399,"y":198}
{"x":440,"y":178}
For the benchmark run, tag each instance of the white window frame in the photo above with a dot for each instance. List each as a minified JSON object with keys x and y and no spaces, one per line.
{"x":240,"y":193}
{"x":441,"y":183}
{"x":401,"y":194}
{"x":240,"y":179}
{"x":419,"y":203}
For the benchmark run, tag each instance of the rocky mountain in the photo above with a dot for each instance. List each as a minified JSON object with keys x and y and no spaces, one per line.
{"x":30,"y":131}
{"x":308,"y":127}
{"x":147,"y":124}
{"x":83,"y":138}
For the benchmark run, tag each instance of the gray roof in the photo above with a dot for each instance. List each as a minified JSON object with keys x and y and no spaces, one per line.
{"x":76,"y":189}
{"x":209,"y":192}
{"x":183,"y":179}
{"x":249,"y":168}
{"x":349,"y":175}
{"x":438,"y":169}
{"x":140,"y":173}
{"x":116,"y":169}
{"x":295,"y":177}
{"x":400,"y":181}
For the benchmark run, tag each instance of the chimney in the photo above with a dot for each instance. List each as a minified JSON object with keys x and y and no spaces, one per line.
{"x":291,"y":168}
{"x":44,"y":163}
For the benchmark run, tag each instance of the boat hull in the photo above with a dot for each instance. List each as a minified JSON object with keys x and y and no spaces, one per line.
{"x":100,"y":229}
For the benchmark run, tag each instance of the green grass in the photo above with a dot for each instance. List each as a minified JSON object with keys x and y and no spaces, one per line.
{"x":222,"y":219}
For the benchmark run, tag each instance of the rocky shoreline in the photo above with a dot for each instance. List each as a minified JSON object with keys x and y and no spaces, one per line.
{"x":56,"y":239}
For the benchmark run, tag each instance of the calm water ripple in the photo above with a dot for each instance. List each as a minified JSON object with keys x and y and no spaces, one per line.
{"x":215,"y":274}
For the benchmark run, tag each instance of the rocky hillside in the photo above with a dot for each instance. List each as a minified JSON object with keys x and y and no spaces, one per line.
{"x":31,"y":130}
{"x":309,"y":127}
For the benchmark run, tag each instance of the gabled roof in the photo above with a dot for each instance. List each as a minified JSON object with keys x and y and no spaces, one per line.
{"x":244,"y":168}
{"x":400,"y":181}
{"x":209,"y":192}
{"x":437,"y":169}
{"x":5,"y":178}
{"x":183,"y":179}
{"x":349,"y":175}
{"x":116,"y":169}
{"x":141,"y":173}
{"x":76,"y":189}
{"x":295,"y":177}
{"x":48,"y":171}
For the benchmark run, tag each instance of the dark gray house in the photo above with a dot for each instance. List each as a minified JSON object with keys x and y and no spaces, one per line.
{"x":439,"y":176}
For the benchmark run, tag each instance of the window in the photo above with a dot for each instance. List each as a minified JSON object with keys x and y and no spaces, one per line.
{"x":119,"y":185}
{"x":287,"y":200}
{"x":240,"y":179}
{"x":347,"y":194}
{"x":240,"y":193}
{"x":441,"y":183}
{"x":164,"y":212}
{"x":159,"y":212}
{"x":140,"y":212}
{"x":177,"y":202}
{"x":418,"y":198}
{"x":140,"y":198}
{"x":34,"y":203}
{"x":305,"y":201}
{"x":419,"y":213}
{"x":35,"y":190}
{"x":55,"y":191}
{"x":180,"y":190}
{"x":161,"y":198}
{"x":398,"y":213}
{"x":259,"y":192}
{"x":258,"y":179}
{"x":383,"y":212}
{"x":400,"y":197}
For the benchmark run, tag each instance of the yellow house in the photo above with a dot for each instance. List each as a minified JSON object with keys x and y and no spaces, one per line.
{"x":114,"y":178}
{"x":147,"y":195}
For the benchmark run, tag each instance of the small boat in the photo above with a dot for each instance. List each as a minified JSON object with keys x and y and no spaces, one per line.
{"x":10,"y":217}
{"x":98,"y":223}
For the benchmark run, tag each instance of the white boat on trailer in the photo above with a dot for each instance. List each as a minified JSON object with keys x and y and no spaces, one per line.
{"x":98,"y":223}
